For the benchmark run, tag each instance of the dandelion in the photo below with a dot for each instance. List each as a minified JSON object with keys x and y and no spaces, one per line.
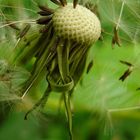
{"x":67,"y":34}
{"x":61,"y":47}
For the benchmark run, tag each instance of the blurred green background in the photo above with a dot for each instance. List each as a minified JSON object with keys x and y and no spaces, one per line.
{"x":105,"y":108}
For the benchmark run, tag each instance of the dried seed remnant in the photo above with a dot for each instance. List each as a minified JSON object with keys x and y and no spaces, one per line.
{"x":44,"y":13}
{"x":126,"y":63}
{"x":57,"y":2}
{"x":128,"y":71}
{"x":63,"y":2}
{"x":138,"y":88}
{"x":46,"y":9}
{"x":75,"y":2}
{"x":44,"y":20}
{"x":116,"y":39}
{"x":90,"y":65}
{"x":126,"y":74}
{"x":24,"y":31}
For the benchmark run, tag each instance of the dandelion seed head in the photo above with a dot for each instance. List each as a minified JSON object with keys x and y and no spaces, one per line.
{"x":79,"y":24}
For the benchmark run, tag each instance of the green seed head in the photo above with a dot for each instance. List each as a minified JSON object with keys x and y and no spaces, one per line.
{"x":78,"y":24}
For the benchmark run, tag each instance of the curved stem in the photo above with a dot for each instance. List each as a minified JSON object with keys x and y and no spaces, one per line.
{"x":41,"y":102}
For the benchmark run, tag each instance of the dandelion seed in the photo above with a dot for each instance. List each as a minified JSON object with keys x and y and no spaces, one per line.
{"x":46,"y":9}
{"x":22,"y":33}
{"x":126,"y":74}
{"x":126,"y":63}
{"x":44,"y":13}
{"x":75,"y":2}
{"x":128,"y":71}
{"x":90,"y":65}
{"x":115,"y":39}
{"x":44,"y":20}
{"x":93,"y":8}
{"x":138,"y":89}
{"x":63,"y":2}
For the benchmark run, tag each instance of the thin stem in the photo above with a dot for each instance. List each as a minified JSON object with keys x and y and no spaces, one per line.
{"x":2,"y":14}
{"x":124,"y":109}
{"x":34,"y":2}
{"x":20,"y":21}
{"x":118,"y":23}
{"x":14,"y":7}
{"x":24,"y":94}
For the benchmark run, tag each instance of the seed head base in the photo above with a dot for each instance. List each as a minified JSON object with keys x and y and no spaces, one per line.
{"x":78,"y":24}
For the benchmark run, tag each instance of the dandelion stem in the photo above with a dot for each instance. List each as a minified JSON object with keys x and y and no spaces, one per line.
{"x":63,"y":64}
{"x":69,"y":114}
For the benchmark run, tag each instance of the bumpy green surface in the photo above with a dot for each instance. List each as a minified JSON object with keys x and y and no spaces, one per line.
{"x":79,"y":24}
